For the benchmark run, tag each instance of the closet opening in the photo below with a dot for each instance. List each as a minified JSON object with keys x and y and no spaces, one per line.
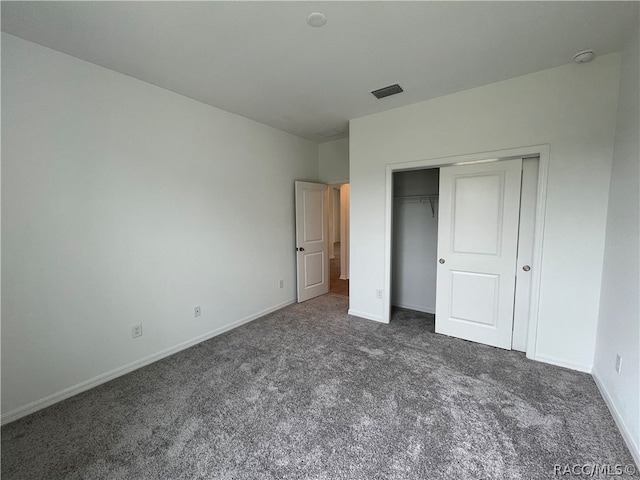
{"x":415,"y":239}
{"x":481,"y":199}
{"x":529,"y":265}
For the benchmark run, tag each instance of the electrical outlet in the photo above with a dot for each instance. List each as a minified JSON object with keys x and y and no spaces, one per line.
{"x":618,"y":364}
{"x":281,"y":284}
{"x":136,"y":330}
{"x":379,"y":294}
{"x":196,"y":311}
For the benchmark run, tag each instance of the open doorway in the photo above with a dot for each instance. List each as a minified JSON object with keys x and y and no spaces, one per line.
{"x":322,"y":239}
{"x":338,"y":213}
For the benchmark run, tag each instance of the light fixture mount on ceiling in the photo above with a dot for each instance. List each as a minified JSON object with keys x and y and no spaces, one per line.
{"x":330,"y":133}
{"x":316,"y":19}
{"x":584,"y":56}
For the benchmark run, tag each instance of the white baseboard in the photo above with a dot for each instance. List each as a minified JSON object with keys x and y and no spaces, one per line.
{"x":49,"y":400}
{"x":366,"y":316}
{"x":626,"y":435}
{"x":559,"y":362}
{"x":417,"y":308}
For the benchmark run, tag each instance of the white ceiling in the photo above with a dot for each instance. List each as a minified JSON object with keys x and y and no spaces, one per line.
{"x":262,"y":61}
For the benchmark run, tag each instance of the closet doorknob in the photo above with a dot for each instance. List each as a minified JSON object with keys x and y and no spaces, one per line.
{"x":526,"y":268}
{"x":441,"y":260}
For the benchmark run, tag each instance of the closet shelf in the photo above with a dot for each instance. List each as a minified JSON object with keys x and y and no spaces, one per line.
{"x":426,"y":195}
{"x":430,"y":197}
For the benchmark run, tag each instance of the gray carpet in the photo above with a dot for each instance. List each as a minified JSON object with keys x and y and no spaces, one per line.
{"x":309,"y":392}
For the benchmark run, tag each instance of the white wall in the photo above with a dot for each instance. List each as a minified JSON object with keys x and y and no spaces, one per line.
{"x":333,"y":161}
{"x":572,"y":108}
{"x":619,"y":325}
{"x":125,"y":203}
{"x":415,"y":241}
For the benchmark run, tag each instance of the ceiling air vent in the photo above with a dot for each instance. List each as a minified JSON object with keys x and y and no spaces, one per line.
{"x":387,"y":91}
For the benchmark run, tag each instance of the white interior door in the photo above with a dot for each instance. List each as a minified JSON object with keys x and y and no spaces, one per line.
{"x":312,"y":247}
{"x":479,"y":209}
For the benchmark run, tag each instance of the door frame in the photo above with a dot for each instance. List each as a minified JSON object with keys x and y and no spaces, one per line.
{"x":541,"y":151}
{"x":331,"y":205}
{"x":345,"y":231}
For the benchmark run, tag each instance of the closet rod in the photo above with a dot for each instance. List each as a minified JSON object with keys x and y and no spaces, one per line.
{"x":431,"y":196}
{"x":426,"y":195}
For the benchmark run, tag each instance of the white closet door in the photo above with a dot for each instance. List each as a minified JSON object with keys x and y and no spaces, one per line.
{"x":477,"y":245}
{"x":528,"y":199}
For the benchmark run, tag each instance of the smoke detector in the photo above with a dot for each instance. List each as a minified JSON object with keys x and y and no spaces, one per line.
{"x":316,"y":19}
{"x":584,"y":56}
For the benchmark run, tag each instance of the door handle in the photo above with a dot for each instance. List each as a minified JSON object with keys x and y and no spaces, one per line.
{"x":301,"y":249}
{"x":441,"y":260}
{"x":526,"y":268}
